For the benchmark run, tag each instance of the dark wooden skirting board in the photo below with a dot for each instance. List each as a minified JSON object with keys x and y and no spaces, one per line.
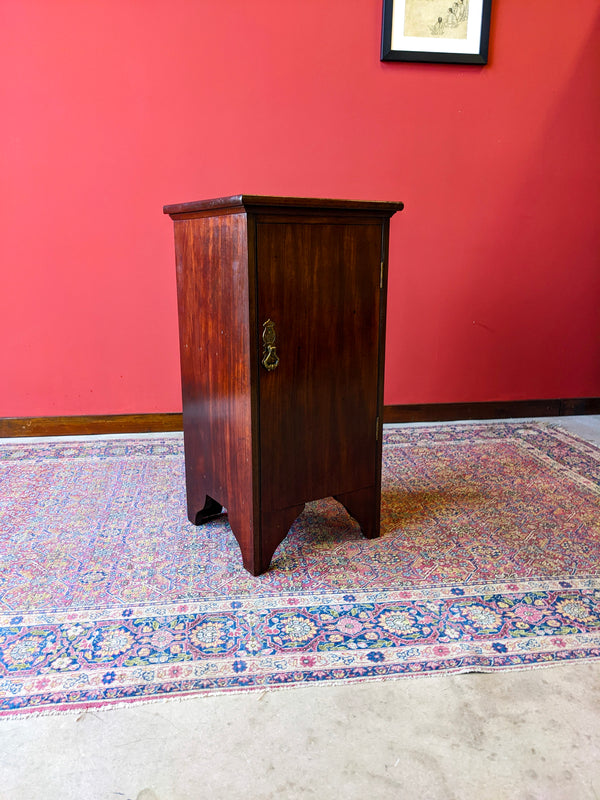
{"x":443,"y":412}
{"x":86,"y":425}
{"x":435,"y":412}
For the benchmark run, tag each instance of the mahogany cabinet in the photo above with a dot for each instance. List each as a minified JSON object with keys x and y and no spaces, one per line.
{"x":282,"y":307}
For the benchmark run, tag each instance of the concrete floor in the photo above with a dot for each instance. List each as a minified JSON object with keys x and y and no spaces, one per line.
{"x":510,"y":736}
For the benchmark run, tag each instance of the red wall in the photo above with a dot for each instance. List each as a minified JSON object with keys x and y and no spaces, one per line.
{"x":112,"y":108}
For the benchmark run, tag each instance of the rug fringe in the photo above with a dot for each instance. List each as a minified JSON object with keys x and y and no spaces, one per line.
{"x":135,"y":703}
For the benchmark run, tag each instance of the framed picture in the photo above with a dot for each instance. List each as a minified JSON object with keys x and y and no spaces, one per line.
{"x":443,"y":31}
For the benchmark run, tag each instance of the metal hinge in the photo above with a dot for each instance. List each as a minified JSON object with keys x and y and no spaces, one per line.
{"x":381,"y":276}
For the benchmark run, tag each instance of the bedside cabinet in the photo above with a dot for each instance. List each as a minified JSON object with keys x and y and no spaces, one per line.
{"x":282,"y":306}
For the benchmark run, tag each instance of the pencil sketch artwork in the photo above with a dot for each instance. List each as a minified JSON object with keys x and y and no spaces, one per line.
{"x":444,"y":19}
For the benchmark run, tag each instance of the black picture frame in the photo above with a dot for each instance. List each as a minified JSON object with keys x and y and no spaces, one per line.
{"x":439,"y":46}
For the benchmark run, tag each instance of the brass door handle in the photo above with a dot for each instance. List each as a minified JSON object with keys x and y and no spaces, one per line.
{"x":270,"y":359}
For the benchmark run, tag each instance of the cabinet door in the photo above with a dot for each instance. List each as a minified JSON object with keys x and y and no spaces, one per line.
{"x":319,"y":287}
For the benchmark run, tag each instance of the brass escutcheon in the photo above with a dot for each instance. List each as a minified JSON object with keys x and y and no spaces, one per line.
{"x":270,"y":359}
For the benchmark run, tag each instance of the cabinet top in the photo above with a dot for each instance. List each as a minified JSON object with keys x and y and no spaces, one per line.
{"x":251,"y":202}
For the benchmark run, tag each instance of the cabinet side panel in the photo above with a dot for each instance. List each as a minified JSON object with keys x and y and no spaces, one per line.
{"x":212,"y":285}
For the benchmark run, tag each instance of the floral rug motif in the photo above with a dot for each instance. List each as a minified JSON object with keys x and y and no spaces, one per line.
{"x":489,"y":559}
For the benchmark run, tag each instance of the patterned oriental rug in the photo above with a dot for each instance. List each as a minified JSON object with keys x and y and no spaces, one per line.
{"x":489,"y":560}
